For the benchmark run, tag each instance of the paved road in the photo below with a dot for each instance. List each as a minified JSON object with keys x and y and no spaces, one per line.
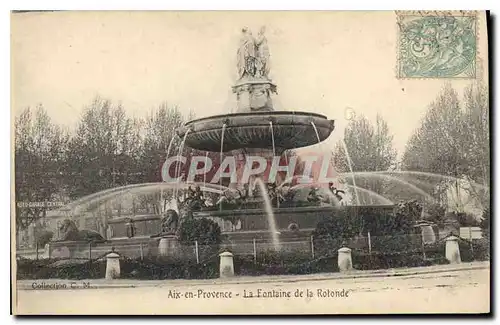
{"x":465,"y":291}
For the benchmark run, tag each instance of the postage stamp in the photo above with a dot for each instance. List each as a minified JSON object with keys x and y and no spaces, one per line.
{"x":437,"y":45}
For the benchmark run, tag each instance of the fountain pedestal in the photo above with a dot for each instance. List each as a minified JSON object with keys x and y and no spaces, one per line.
{"x":254,"y":95}
{"x":243,"y":163}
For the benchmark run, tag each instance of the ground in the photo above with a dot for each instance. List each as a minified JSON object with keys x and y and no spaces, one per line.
{"x":444,"y":289}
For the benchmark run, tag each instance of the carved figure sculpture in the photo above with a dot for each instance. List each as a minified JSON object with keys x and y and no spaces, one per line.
{"x":170,"y":222}
{"x":253,"y":55}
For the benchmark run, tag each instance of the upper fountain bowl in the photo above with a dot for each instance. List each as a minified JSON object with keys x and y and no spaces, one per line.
{"x":253,"y":130}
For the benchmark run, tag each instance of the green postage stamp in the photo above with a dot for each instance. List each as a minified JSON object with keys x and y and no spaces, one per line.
{"x":437,"y":44}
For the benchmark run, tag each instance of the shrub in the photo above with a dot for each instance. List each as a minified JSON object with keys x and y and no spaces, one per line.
{"x":345,"y":225}
{"x":384,"y":224}
{"x":378,"y":260}
{"x":168,"y":268}
{"x":329,"y":234}
{"x":481,"y":249}
{"x":205,"y":231}
{"x":435,"y":213}
{"x":49,"y":269}
{"x":396,"y":243}
{"x":485,"y":223}
{"x":283,"y":263}
{"x":389,"y":260}
{"x":477,"y":250}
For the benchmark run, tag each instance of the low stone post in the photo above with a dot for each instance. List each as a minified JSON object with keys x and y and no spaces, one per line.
{"x":226,"y":265}
{"x":428,"y":235}
{"x":163,"y":246}
{"x":345,"y":259}
{"x":168,"y":246}
{"x":112,"y":266}
{"x":452,"y":250}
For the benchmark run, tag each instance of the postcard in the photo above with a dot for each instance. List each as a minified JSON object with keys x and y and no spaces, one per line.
{"x":250,"y":163}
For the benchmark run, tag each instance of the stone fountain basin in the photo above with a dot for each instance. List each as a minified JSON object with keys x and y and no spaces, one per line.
{"x":252,"y":130}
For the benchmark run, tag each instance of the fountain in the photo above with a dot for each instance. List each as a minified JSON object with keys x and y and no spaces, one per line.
{"x":250,"y":127}
{"x":255,"y":133}
{"x":257,"y":129}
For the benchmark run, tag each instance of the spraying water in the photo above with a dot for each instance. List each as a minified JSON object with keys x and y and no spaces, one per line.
{"x":221,"y":153}
{"x":289,"y":181}
{"x":166,"y":157}
{"x":406,"y":184}
{"x":135,"y":189}
{"x":272,"y":137}
{"x":316,"y":130}
{"x":431,"y":175}
{"x":292,"y":178}
{"x":349,"y":162}
{"x":332,"y":199}
{"x":383,"y":200}
{"x":274,"y":153}
{"x":170,"y":147}
{"x":178,"y":168}
{"x":271,"y":220}
{"x":206,"y":171}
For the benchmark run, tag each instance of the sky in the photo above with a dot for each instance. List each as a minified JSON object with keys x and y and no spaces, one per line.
{"x":323,"y":62}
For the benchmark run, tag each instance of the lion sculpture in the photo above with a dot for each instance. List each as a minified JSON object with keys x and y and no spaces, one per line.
{"x":68,"y":231}
{"x":170,"y":222}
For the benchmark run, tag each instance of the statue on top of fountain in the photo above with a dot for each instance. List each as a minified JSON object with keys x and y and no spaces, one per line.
{"x":253,"y":88}
{"x":253,"y":55}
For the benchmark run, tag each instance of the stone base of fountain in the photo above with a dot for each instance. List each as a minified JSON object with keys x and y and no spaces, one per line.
{"x":254,"y":95}
{"x":256,"y":219}
{"x":294,"y":226}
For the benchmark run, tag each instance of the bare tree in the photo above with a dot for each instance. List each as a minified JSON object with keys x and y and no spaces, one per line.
{"x":41,"y":150}
{"x":478,"y":140}
{"x":158,"y":138}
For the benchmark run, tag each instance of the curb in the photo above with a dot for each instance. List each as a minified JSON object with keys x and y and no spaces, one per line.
{"x":353,"y":275}
{"x":27,"y":284}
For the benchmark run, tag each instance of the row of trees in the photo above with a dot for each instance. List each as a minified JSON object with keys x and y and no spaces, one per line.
{"x":451,"y":145}
{"x":454,"y":140}
{"x":106,"y":150}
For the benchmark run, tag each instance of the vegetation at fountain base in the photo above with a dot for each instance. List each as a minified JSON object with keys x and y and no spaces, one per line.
{"x":346,"y":224}
{"x":201,"y":230}
{"x":266,"y":263}
{"x":486,"y":223}
{"x":392,"y":243}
